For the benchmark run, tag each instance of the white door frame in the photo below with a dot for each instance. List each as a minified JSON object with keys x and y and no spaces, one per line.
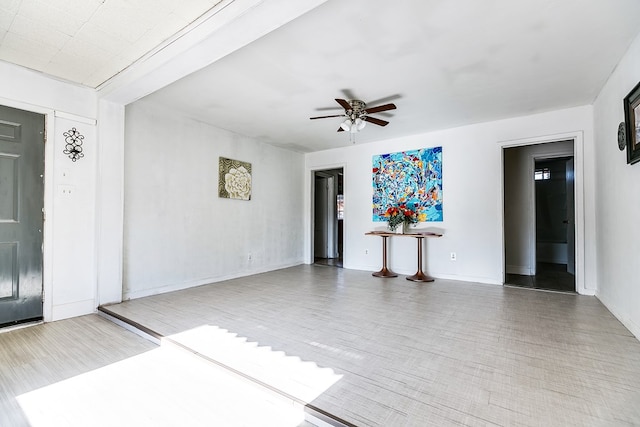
{"x":578,"y":156}
{"x":311,"y":173}
{"x":321,"y":217}
{"x":531,"y":184}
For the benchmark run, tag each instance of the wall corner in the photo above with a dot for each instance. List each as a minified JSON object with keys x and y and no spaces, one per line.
{"x":110,"y":202}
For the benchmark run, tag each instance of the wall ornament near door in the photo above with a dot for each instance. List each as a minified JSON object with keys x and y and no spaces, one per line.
{"x":622,"y":136}
{"x":632,"y":120}
{"x":73,"y":144}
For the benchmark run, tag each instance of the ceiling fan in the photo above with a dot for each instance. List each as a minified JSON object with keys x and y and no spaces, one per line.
{"x":357,"y":115}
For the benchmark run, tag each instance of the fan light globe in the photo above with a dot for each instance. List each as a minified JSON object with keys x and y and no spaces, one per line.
{"x":346,"y":125}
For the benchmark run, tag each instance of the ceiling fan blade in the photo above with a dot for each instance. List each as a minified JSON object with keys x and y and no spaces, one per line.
{"x":343,"y":103}
{"x":379,"y":108}
{"x":340,"y":130}
{"x":348,"y":94}
{"x":385,"y":99}
{"x":375,"y":121}
{"x":326,"y":117}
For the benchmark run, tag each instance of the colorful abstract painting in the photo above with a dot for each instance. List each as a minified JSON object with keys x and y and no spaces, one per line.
{"x":234,"y":180}
{"x":412,"y":178}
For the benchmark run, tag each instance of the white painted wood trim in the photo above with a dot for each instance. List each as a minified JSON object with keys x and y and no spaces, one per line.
{"x":49,"y":215}
{"x":309,"y":210}
{"x":76,"y":118}
{"x":624,"y":319}
{"x":126,"y":295}
{"x":78,"y":308}
{"x":578,"y":155}
{"x":531,"y":193}
{"x":520,"y":269}
{"x":531,"y":189}
{"x":226,"y":28}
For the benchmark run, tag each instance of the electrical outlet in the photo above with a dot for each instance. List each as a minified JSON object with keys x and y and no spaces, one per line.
{"x":66,"y":190}
{"x":453,"y":256}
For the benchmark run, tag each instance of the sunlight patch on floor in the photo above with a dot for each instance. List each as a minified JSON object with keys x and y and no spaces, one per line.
{"x":163,"y":387}
{"x":304,"y":380}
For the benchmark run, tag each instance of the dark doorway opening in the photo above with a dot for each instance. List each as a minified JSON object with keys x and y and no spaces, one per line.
{"x":539,"y":202}
{"x":328,"y":248}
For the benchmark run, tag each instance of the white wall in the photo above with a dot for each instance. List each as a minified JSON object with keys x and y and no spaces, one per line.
{"x":472,"y":196}
{"x":73,"y":244}
{"x":109,"y":202}
{"x":177,"y":231}
{"x":520,"y":236}
{"x":69,"y":244}
{"x":618,"y":193}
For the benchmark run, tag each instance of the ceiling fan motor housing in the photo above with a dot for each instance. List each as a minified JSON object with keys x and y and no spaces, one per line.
{"x":357,"y":109}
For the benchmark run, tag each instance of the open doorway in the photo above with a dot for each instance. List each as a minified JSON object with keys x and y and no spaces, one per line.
{"x":328,"y":217}
{"x":539,"y":212}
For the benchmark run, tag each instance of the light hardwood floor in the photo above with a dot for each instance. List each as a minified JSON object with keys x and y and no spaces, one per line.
{"x":379,"y":352}
{"x":38,"y":356}
{"x":89,"y":372}
{"x":401,"y":353}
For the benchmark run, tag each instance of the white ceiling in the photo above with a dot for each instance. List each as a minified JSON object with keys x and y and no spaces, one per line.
{"x":89,"y":41}
{"x":444,"y":63}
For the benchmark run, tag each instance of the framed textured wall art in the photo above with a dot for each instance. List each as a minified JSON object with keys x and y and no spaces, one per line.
{"x":632,"y":121}
{"x":234,"y":179}
{"x":411,"y":178}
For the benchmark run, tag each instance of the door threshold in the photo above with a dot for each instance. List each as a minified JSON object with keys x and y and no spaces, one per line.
{"x":8,"y":327}
{"x":529,"y":288}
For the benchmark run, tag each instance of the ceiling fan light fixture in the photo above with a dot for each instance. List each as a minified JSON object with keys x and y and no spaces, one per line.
{"x":356,"y":115}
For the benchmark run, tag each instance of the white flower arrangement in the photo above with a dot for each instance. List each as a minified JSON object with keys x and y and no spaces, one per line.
{"x":237,"y":182}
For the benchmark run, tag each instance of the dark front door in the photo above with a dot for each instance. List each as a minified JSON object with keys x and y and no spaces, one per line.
{"x":21,"y":219}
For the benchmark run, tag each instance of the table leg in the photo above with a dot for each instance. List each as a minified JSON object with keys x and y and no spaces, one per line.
{"x":420,"y":276}
{"x":385,"y":272}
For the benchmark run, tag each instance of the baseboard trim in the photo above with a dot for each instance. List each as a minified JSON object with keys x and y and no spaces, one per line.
{"x":518,"y":269}
{"x":625,"y":320}
{"x":481,"y":280}
{"x":74,"y":309}
{"x":127,"y":295}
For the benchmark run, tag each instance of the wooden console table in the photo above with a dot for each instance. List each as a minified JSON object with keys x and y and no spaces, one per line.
{"x":385,"y":271}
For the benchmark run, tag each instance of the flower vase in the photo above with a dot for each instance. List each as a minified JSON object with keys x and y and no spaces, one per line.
{"x":406,"y":228}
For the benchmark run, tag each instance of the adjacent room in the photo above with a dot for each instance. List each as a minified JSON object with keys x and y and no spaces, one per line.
{"x":318,"y":212}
